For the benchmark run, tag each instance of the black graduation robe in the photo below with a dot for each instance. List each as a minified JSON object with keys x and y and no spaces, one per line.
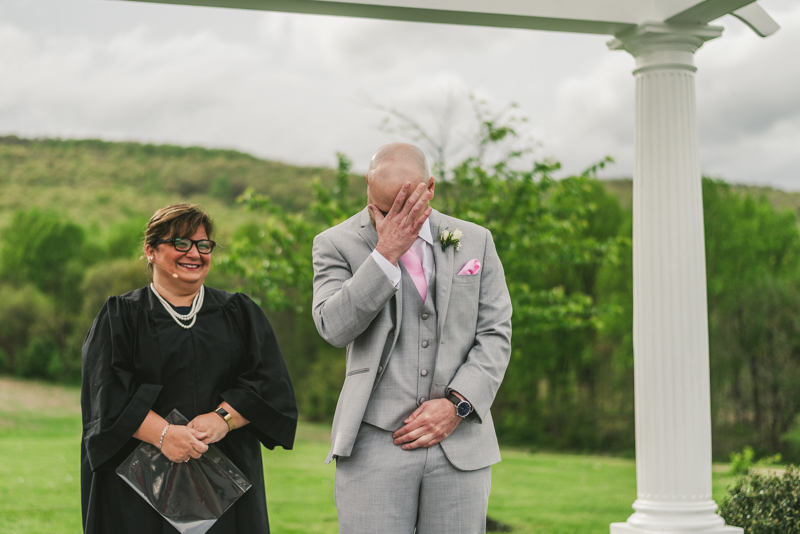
{"x":136,"y":358}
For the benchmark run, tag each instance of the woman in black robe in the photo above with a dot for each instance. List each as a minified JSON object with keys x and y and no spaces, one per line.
{"x":178,"y":344}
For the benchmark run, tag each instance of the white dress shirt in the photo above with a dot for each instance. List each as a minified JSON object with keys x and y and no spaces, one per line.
{"x":423,"y":246}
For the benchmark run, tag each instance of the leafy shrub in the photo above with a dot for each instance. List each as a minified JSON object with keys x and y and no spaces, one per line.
{"x":39,"y":248}
{"x":741,"y":462}
{"x":41,"y":359}
{"x":25,"y":314}
{"x":769,"y":461}
{"x":764,"y":504}
{"x":223,"y":189}
{"x":320,"y":387}
{"x":124,"y":239}
{"x":791,"y":439}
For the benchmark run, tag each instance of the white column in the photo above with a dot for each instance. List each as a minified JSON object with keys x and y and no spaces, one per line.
{"x":670,"y":327}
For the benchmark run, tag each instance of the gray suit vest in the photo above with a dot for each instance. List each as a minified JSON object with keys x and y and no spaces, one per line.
{"x":407,"y":380}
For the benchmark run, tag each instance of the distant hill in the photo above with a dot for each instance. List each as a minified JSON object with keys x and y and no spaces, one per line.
{"x":98,"y":182}
{"x":781,"y":200}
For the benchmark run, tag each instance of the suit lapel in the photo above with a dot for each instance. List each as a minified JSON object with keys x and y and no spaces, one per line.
{"x":444,"y":268}
{"x":368,"y":231}
{"x":371,"y":237}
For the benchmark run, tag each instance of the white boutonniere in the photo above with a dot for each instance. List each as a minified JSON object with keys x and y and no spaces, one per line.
{"x":447,"y":238}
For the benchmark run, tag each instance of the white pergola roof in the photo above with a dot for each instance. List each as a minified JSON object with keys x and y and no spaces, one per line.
{"x":606,"y":17}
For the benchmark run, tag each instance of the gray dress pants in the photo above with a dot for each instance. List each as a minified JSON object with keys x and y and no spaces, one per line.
{"x":381,"y":488}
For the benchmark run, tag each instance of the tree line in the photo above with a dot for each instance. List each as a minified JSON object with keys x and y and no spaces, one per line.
{"x":566,"y":248}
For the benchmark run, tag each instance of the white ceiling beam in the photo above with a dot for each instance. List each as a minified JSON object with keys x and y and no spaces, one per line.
{"x":605,"y":17}
{"x":705,"y":12}
{"x":758,"y":20}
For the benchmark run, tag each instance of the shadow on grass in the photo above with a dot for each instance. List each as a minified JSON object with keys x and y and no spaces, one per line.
{"x":493,"y":525}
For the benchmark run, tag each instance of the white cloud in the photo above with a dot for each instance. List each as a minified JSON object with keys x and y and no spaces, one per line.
{"x":594,"y":117}
{"x":749,"y":104}
{"x":287,"y":87}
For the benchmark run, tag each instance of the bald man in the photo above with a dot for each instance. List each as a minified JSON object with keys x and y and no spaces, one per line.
{"x":420,"y":300}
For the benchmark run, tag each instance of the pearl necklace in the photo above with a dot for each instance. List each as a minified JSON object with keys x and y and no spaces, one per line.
{"x":197,"y":303}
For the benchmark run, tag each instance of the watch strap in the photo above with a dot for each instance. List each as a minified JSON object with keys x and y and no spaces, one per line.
{"x":228,"y":418}
{"x":460,"y":405}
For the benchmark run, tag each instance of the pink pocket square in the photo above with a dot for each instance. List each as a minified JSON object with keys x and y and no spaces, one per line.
{"x":471,"y":267}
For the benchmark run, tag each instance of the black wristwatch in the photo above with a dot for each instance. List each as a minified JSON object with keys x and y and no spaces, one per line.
{"x":463,"y":407}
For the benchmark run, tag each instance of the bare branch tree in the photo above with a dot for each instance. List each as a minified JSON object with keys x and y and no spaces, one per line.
{"x":488,"y":132}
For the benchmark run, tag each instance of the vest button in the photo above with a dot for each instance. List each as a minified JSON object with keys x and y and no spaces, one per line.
{"x":380,"y":368}
{"x":423,"y":399}
{"x":424,"y":316}
{"x":424,"y":372}
{"x":424,"y":344}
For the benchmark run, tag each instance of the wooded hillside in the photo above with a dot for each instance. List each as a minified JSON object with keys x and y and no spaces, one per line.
{"x":71,"y":220}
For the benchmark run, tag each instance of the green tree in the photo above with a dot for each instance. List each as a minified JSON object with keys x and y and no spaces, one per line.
{"x":753,"y":258}
{"x":38,"y":247}
{"x":123,"y":239}
{"x":552,"y":235}
{"x":30,"y":328}
{"x":272,"y":261}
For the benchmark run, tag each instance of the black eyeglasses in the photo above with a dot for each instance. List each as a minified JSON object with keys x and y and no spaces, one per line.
{"x":184,"y":244}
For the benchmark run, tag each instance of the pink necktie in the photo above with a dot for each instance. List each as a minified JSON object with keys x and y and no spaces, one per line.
{"x":413,"y":265}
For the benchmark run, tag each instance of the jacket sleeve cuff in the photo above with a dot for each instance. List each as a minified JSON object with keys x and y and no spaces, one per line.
{"x":391,"y":271}
{"x":103,"y":443}
{"x":480,"y":403}
{"x":270,"y":426}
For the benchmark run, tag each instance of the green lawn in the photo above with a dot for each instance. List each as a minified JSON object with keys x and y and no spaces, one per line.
{"x":533,"y":493}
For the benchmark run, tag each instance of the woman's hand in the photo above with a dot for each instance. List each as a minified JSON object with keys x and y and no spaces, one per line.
{"x":181,"y":443}
{"x":211,"y":425}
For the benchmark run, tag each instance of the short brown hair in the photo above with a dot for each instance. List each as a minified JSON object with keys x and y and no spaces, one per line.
{"x":176,"y":220}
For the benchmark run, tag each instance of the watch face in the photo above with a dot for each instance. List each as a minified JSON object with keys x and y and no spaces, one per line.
{"x":463,"y":408}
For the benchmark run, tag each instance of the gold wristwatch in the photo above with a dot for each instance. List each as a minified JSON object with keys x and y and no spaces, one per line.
{"x":220,"y":411}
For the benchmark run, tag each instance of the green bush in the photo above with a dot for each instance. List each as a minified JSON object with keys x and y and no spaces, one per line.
{"x":319,"y":388}
{"x":764,"y":504}
{"x":40,"y":248}
{"x":41,"y":359}
{"x":223,"y":189}
{"x":791,"y":439}
{"x":123,"y":239}
{"x":25,"y":314}
{"x":741,"y":462}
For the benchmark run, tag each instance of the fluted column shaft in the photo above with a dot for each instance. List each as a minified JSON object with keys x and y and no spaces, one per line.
{"x":670,"y":326}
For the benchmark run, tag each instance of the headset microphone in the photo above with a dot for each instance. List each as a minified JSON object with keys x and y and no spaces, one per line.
{"x":174,"y":275}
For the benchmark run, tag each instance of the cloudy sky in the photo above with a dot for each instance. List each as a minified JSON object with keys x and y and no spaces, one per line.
{"x":297,"y":88}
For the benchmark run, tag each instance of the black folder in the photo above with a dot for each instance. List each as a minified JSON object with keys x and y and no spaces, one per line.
{"x":191,"y":495}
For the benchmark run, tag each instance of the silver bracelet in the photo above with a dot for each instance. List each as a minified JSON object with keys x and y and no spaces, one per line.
{"x":163,"y":432}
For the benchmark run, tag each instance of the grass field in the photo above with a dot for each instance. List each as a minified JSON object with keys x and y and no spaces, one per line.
{"x":532,"y":493}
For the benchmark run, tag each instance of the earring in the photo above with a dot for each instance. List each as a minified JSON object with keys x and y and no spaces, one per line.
{"x":150,"y":258}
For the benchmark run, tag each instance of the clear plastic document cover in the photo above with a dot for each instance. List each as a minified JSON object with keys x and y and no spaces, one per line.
{"x":191,"y":495}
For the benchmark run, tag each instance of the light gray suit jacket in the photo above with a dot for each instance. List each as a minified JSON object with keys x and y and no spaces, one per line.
{"x":355,"y":305}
